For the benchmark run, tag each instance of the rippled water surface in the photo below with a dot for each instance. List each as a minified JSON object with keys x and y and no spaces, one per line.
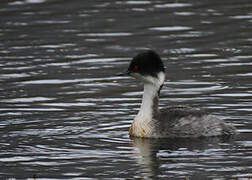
{"x":64,"y":114}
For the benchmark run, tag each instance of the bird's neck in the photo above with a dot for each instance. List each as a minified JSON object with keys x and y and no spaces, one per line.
{"x":149,"y":106}
{"x":142,"y":124}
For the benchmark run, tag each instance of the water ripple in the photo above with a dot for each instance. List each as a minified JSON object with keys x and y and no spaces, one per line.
{"x":172,"y":28}
{"x":115,"y":34}
{"x":172,"y":5}
{"x":27,"y":100}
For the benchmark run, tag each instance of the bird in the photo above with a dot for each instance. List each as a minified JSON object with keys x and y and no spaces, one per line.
{"x":173,"y":121}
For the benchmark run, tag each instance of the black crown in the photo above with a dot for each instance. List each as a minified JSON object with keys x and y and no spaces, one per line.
{"x":146,"y":63}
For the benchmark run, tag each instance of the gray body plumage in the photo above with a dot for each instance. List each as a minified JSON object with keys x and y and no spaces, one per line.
{"x":184,"y":121}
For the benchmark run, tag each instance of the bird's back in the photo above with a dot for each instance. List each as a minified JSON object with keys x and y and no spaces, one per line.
{"x":184,"y":121}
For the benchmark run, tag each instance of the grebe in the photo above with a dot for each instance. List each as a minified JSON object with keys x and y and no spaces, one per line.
{"x":175,"y":121}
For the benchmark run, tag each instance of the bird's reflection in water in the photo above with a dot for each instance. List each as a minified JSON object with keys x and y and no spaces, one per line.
{"x":154,"y":153}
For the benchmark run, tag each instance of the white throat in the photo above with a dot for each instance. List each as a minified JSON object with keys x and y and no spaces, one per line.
{"x":150,"y":99}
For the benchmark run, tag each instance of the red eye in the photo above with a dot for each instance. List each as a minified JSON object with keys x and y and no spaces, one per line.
{"x":135,"y":68}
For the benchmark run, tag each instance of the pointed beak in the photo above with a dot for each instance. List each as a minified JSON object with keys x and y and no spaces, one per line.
{"x":127,"y":73}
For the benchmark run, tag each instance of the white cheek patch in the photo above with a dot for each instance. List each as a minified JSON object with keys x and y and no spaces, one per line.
{"x":156,"y":81}
{"x":161,"y":78}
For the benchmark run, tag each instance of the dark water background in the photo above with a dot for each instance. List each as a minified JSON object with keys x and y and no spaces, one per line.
{"x":65,"y":115}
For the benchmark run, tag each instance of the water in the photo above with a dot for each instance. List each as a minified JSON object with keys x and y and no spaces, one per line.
{"x":65,"y":115}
